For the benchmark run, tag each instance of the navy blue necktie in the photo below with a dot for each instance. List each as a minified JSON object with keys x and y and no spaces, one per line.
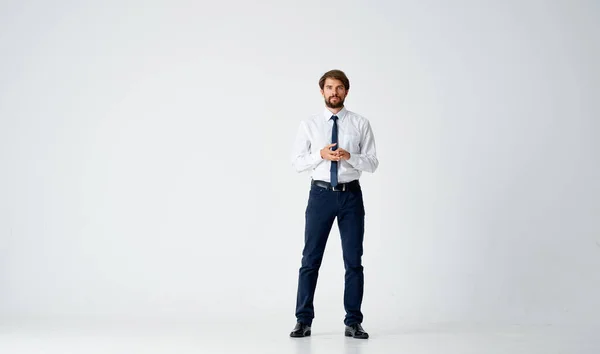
{"x":334,"y":164}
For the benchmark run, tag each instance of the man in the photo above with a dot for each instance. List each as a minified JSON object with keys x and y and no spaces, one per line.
{"x":336,"y":146}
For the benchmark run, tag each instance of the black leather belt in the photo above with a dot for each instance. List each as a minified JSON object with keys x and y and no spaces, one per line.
{"x":341,"y":187}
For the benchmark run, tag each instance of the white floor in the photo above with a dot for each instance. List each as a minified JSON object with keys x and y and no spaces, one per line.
{"x":155,"y":338}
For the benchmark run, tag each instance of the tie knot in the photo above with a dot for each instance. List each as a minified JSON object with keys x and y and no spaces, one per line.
{"x":334,"y":118}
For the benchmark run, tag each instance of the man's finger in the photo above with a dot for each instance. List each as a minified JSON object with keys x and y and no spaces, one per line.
{"x":331,"y":145}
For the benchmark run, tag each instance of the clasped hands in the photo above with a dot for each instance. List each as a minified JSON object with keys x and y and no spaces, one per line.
{"x":334,"y":155}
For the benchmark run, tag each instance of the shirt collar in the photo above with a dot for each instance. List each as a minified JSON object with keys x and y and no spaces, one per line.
{"x":341,"y":114}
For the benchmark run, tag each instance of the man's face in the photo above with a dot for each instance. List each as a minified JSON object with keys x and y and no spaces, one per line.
{"x":334,"y":93}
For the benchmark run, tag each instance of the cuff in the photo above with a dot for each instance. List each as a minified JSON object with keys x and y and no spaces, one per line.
{"x":316,"y":157}
{"x":353,"y":160}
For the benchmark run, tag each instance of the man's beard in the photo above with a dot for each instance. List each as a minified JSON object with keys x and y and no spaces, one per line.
{"x":340,"y":103}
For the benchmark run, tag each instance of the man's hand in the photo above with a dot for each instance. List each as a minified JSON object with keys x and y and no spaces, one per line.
{"x":337,"y":155}
{"x":343,"y":154}
{"x":328,"y":154}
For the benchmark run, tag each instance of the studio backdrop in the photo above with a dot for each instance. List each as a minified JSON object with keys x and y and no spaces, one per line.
{"x":145,"y":166}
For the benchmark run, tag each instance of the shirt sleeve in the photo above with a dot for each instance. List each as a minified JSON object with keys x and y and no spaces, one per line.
{"x":366,"y":160}
{"x":302,"y":158}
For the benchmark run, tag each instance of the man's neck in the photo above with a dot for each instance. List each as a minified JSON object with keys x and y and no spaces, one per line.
{"x":335,"y":110}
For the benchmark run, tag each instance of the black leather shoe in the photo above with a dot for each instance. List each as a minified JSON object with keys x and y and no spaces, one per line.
{"x":356,"y":331}
{"x":301,"y":330}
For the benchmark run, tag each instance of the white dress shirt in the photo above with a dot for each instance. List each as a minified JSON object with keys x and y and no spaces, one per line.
{"x":354,"y":135}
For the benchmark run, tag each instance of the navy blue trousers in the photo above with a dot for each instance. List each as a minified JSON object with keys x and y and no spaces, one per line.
{"x":322,"y":209}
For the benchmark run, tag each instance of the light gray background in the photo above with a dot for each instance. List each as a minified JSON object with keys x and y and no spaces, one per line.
{"x":145,"y":173}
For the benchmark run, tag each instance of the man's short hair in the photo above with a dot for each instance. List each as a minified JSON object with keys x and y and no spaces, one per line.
{"x":335,"y":74}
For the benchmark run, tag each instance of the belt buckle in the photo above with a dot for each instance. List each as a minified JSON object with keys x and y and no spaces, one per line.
{"x":336,"y":188}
